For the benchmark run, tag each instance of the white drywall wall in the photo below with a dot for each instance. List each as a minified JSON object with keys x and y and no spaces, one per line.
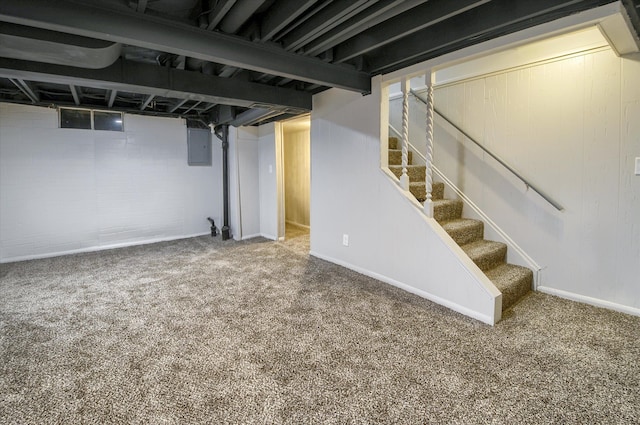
{"x":244,"y":201}
{"x":69,"y":190}
{"x":268,"y":181}
{"x":389,"y":238}
{"x":253,"y":208}
{"x":573,"y":127}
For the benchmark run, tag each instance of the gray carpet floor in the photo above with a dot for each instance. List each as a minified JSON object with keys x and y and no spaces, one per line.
{"x":257,"y":332}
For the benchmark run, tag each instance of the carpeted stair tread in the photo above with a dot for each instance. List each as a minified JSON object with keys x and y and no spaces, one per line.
{"x":395,"y":157}
{"x":513,"y":281}
{"x":418,"y":189}
{"x":486,"y":254}
{"x":416,"y":173}
{"x":446,"y":209}
{"x":464,"y":230}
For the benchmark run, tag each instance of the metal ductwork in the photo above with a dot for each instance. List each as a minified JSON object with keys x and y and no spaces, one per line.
{"x":40,"y":45}
{"x":254,"y":116}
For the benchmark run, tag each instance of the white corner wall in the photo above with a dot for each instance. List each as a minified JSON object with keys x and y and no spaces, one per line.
{"x":572,"y":126}
{"x":389,"y":238}
{"x":244,"y":203}
{"x":267,"y":174}
{"x":69,"y":190}
{"x":253,"y":206}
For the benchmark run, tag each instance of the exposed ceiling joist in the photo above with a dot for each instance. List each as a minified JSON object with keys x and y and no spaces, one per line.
{"x":379,"y":12}
{"x":218,"y":12}
{"x":239,"y":14}
{"x":312,"y":11}
{"x":112,"y":97}
{"x":208,"y":107}
{"x":141,"y":6}
{"x":279,"y":17}
{"x":325,"y":20}
{"x":146,"y":102}
{"x":411,"y":21}
{"x":26,"y":89}
{"x":177,"y":105}
{"x":76,"y":93}
{"x":192,"y":107}
{"x":159,"y":81}
{"x":161,"y":35}
{"x":495,"y":17}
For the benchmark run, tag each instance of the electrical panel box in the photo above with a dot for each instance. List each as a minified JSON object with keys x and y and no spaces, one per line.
{"x":199,"y":146}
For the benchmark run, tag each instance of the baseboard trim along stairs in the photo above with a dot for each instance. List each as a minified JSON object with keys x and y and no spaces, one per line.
{"x":513,"y":281}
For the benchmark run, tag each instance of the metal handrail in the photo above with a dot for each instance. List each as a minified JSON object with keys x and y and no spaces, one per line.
{"x":540,"y":192}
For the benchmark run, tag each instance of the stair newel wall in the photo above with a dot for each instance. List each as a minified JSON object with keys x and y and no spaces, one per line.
{"x":428,"y":203}
{"x":404,"y":178}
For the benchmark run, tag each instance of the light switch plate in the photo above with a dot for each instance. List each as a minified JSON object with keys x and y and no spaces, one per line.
{"x":345,"y":240}
{"x":637,"y":166}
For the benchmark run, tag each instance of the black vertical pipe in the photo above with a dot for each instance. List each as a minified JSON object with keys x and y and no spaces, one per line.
{"x":225,"y":181}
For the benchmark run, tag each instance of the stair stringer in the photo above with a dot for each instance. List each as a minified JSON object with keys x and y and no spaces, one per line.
{"x":515,"y":254}
{"x":445,"y":274}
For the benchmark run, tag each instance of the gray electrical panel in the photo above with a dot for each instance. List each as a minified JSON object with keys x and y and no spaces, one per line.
{"x":199,"y":146}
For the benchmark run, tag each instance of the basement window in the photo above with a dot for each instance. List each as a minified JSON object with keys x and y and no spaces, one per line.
{"x":75,"y":118}
{"x":111,"y":121}
{"x":87,"y":119}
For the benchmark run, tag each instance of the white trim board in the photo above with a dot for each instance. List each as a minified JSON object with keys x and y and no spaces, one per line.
{"x":259,"y":235}
{"x":99,"y":248}
{"x":453,"y":306}
{"x":589,"y":300}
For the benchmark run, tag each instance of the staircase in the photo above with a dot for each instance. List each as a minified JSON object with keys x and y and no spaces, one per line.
{"x":513,"y":281}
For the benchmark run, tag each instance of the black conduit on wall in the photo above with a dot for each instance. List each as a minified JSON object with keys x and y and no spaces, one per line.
{"x":225,"y":181}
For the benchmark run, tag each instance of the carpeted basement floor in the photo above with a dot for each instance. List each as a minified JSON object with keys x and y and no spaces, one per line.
{"x":200,"y":331}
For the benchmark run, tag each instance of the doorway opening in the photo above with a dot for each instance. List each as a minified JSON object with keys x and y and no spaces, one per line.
{"x":296,"y":175}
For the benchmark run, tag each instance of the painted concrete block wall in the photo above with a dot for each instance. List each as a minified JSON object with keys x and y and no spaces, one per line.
{"x":69,"y":190}
{"x":573,"y":127}
{"x":389,"y":238}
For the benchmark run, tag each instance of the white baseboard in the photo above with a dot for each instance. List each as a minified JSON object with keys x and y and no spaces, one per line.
{"x":259,"y":235}
{"x":589,"y":300}
{"x":98,"y":248}
{"x":438,"y":300}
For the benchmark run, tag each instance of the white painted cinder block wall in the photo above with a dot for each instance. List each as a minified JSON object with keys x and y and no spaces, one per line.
{"x":573,"y":127}
{"x":69,"y":190}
